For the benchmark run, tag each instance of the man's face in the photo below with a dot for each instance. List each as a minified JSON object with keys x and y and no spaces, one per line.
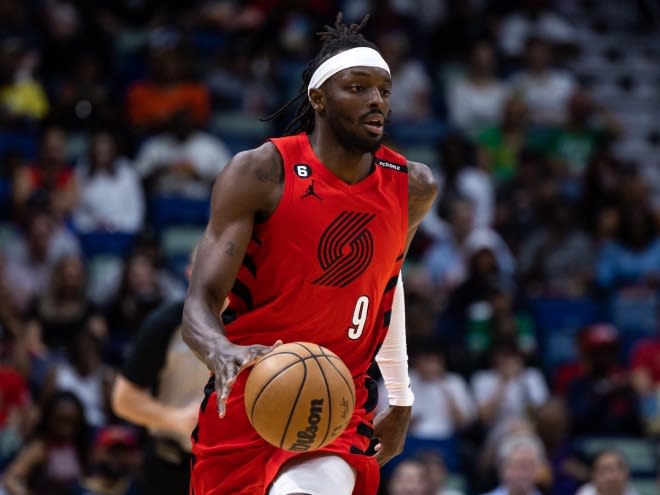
{"x":520,"y":470}
{"x":357,"y":104}
{"x":610,"y":475}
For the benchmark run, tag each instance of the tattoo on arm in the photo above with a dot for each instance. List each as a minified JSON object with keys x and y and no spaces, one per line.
{"x":230,"y":249}
{"x":273,"y":174}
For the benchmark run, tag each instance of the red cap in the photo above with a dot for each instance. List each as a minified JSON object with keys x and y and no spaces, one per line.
{"x":116,"y":435}
{"x":600,"y":334}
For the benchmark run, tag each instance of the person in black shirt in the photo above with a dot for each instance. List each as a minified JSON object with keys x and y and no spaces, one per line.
{"x":160,"y":388}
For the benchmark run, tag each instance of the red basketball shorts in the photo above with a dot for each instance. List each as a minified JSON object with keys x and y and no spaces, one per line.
{"x":230,"y":458}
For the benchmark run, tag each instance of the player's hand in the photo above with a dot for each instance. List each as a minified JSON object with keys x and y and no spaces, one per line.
{"x":390,"y":428}
{"x":230,"y":361}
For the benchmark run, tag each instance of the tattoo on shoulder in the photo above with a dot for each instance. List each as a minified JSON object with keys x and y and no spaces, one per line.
{"x":273,"y":174}
{"x":230,"y":249}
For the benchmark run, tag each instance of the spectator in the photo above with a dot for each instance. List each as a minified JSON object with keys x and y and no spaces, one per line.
{"x":22,"y":98}
{"x":115,"y":459}
{"x":444,"y":404}
{"x":508,"y":389}
{"x":51,"y":178}
{"x":587,"y":127}
{"x":31,"y":256}
{"x":82,"y":373}
{"x":520,"y":459}
{"x":437,"y":474}
{"x":609,"y":475}
{"x":604,"y":386}
{"x":536,"y":18}
{"x":83,"y":99}
{"x":410,"y":477}
{"x":15,"y":409}
{"x":476,"y":100}
{"x":111,"y":196}
{"x":57,"y":457}
{"x":545,"y":91}
{"x":60,"y":311}
{"x":464,"y":180}
{"x":182,"y":161}
{"x":556,"y":258}
{"x":500,"y":146}
{"x":633,"y":257}
{"x":411,"y":102}
{"x":139,"y":293}
{"x":568,"y":469}
{"x":600,"y":195}
{"x":243,"y":82}
{"x":152,"y":103}
{"x":517,"y":200}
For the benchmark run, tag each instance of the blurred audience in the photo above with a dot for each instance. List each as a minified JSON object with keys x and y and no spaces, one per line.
{"x":56,"y":457}
{"x":603,"y":386}
{"x":182,"y":161}
{"x":609,"y":475}
{"x":476,"y":100}
{"x":520,"y":460}
{"x":545,"y":90}
{"x":509,"y":389}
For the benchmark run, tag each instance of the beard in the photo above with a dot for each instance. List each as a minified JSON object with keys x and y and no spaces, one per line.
{"x":350,"y":139}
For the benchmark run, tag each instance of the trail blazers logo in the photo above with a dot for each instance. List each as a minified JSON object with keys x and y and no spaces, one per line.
{"x":345,"y":249}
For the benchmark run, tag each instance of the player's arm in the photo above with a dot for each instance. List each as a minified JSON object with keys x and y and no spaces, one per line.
{"x":251,"y":184}
{"x":391,"y":425}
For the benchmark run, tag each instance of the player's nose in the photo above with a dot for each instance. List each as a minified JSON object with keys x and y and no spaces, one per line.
{"x":375,"y":98}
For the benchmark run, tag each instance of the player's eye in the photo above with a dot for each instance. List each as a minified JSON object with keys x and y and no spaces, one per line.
{"x":357,"y":88}
{"x":386,"y":92}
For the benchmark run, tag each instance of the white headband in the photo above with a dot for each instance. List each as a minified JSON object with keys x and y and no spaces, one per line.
{"x":355,"y":57}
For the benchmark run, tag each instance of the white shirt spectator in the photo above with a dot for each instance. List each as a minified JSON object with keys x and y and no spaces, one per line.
{"x":28,"y":277}
{"x":411,"y":99}
{"x":112,"y":202}
{"x":518,"y":28}
{"x":475,"y":107}
{"x":431,"y":413}
{"x":527,"y":389}
{"x":546,"y":95}
{"x":590,"y":489}
{"x":204,"y":152}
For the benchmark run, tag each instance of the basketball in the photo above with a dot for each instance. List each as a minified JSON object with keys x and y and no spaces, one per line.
{"x":299,"y":396}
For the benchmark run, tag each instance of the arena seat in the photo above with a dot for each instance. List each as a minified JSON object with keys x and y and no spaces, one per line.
{"x":557,"y":320}
{"x":170,"y":211}
{"x":106,"y":243}
{"x":415,"y":446}
{"x":24,"y":144}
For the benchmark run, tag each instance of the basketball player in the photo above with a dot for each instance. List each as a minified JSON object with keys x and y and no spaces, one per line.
{"x":307,"y":237}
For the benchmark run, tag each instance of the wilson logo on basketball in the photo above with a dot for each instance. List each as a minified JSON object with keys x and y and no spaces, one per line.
{"x":306,"y":437}
{"x":345,"y":249}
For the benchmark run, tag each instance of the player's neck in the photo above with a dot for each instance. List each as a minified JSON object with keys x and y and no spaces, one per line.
{"x":349,"y":165}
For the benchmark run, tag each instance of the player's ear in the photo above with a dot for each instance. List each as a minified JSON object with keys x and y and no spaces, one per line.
{"x":317,"y":99}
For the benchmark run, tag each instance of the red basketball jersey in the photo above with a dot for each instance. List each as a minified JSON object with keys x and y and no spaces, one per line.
{"x":323,"y":267}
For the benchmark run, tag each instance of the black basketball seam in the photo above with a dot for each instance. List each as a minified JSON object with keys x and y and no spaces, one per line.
{"x":327,"y":389}
{"x":256,"y":398}
{"x":295,"y":402}
{"x":328,"y":357}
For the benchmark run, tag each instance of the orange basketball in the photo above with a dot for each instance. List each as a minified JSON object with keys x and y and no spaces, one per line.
{"x":299,"y":396}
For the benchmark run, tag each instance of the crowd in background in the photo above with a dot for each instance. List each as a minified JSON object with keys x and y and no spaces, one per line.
{"x":533,"y":287}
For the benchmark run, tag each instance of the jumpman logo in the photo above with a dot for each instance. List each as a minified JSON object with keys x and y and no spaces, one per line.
{"x":310,"y":192}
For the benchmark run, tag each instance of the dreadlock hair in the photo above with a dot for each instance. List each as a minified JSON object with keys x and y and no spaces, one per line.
{"x":335,"y":40}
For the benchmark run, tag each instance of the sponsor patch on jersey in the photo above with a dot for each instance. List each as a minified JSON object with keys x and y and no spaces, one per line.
{"x":392,"y":166}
